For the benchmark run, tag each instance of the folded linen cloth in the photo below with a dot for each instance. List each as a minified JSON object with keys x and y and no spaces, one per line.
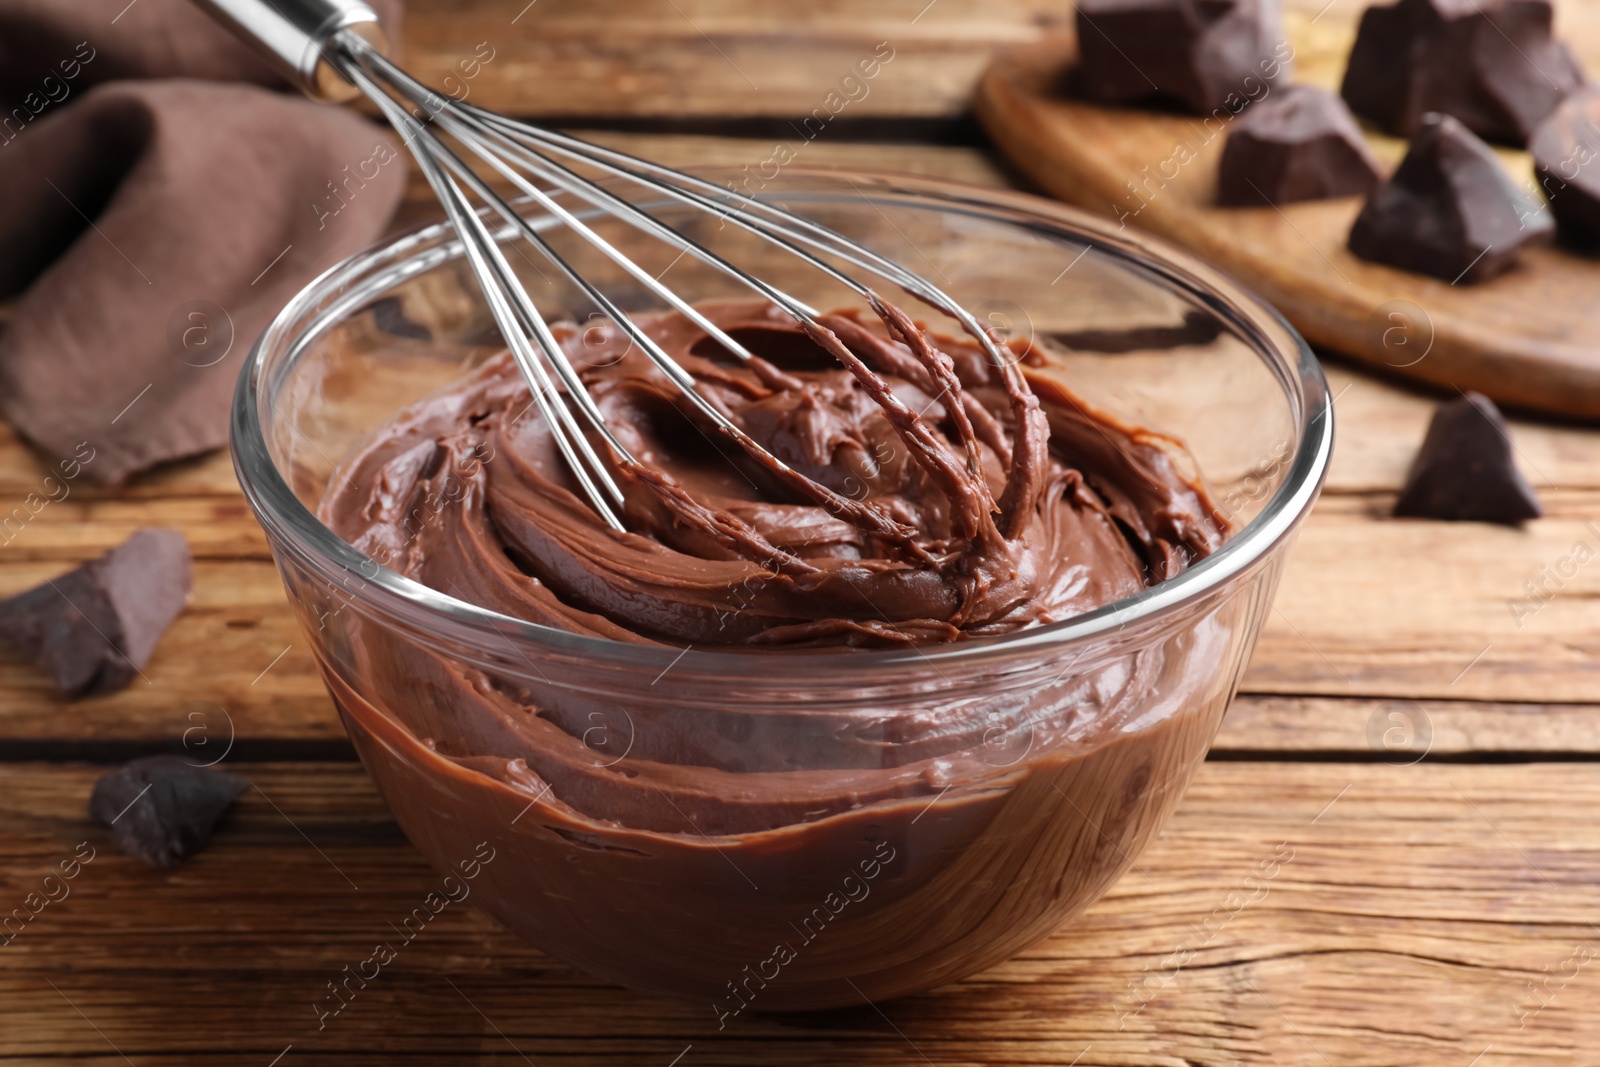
{"x":158,"y":206}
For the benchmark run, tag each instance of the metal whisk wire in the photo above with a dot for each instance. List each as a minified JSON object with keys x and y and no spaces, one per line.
{"x":324,"y":43}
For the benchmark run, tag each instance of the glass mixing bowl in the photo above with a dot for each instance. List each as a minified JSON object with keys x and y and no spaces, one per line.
{"x":1030,"y":769}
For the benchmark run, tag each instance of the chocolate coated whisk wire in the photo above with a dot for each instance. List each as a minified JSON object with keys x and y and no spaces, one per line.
{"x":332,"y":47}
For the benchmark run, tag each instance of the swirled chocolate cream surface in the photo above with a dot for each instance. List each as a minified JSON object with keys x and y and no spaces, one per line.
{"x":928,"y":494}
{"x":762,"y":846}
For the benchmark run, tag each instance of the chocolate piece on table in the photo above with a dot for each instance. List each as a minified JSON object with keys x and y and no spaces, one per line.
{"x":1207,"y":54}
{"x":1197,"y":328}
{"x":389,"y":315}
{"x":1450,"y":210}
{"x":93,"y":628}
{"x":1566,"y":158}
{"x":1300,"y":143}
{"x":1493,"y":64}
{"x":161,"y":809}
{"x":1464,"y":470}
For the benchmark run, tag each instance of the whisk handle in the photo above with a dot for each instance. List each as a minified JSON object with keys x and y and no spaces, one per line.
{"x":291,"y":34}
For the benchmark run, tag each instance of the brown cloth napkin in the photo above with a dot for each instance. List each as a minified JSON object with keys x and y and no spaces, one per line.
{"x":158,"y":225}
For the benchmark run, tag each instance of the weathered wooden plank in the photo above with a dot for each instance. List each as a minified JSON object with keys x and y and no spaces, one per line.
{"x":1380,"y":423}
{"x":1369,"y":607}
{"x":1410,"y":912}
{"x":234,"y":665}
{"x":715,"y":58}
{"x":23,"y":470}
{"x":1410,"y":608}
{"x":218,"y":526}
{"x":1380,"y":426}
{"x":724,"y":58}
{"x":974,"y":166}
{"x":1401,"y":731}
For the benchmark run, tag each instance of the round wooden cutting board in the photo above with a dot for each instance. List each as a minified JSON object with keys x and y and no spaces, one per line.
{"x":1529,"y":338}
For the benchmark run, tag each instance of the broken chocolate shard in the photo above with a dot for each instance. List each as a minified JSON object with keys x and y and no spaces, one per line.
{"x":94,"y":628}
{"x":1465,"y":472}
{"x":162,"y":810}
{"x":1197,"y":328}
{"x":1301,"y":143}
{"x":389,"y":316}
{"x":1566,"y":159}
{"x":1209,"y":55}
{"x":1493,"y":64}
{"x":1450,"y":211}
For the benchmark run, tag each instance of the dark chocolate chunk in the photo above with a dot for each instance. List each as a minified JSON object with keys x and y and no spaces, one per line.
{"x":1210,"y":55}
{"x":1493,"y":64}
{"x":93,"y":628}
{"x":161,"y":809}
{"x":1566,"y":157}
{"x":1197,"y":328}
{"x":1450,"y":210}
{"x":1301,"y":143}
{"x":1464,"y":470}
{"x":389,"y":315}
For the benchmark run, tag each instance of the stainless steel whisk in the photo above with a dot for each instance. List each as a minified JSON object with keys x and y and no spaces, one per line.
{"x":334,"y":50}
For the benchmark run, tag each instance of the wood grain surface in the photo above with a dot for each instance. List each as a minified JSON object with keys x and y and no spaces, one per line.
{"x":1371,"y":608}
{"x":674,"y":59}
{"x":1411,"y":911}
{"x":1430,"y":764}
{"x":716,"y":59}
{"x":1530,"y":337}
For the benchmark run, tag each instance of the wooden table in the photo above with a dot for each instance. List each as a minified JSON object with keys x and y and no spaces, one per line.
{"x":1438,"y":911}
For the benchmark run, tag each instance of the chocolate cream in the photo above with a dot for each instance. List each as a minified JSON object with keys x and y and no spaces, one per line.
{"x":718,"y":849}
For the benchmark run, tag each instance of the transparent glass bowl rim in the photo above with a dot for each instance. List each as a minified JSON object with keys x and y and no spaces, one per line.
{"x":398,"y":599}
